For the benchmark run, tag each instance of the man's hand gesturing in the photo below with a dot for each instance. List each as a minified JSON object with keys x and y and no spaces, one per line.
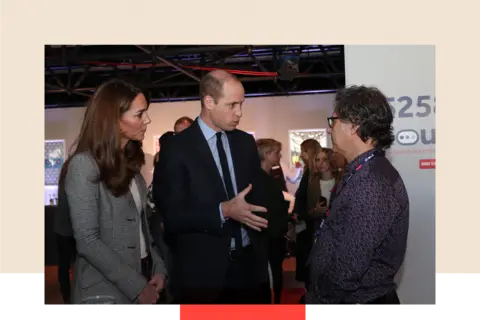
{"x":241,"y":211}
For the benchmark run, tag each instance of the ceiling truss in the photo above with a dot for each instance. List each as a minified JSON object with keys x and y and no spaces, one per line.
{"x":172,"y":73}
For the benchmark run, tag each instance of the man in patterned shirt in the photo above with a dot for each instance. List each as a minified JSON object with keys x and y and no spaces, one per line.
{"x":362,"y":241}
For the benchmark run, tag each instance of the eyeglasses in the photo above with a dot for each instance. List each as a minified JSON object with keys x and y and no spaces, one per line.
{"x":330,"y":121}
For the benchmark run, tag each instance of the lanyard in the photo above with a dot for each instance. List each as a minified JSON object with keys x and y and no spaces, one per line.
{"x":337,"y":191}
{"x":352,"y":173}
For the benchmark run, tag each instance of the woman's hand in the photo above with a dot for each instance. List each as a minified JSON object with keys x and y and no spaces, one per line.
{"x":320,"y":209}
{"x":158,"y":281}
{"x":148,"y":295}
{"x":291,"y":199}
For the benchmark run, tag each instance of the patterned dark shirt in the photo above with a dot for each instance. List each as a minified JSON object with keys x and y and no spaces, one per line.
{"x":362,"y":243}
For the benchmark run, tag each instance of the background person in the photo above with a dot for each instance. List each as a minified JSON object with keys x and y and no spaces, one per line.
{"x":269,"y":151}
{"x":182,"y":124}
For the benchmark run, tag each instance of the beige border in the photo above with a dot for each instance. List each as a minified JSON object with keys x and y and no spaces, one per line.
{"x":27,"y":25}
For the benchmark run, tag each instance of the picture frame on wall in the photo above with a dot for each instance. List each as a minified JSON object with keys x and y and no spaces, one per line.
{"x":54,"y":158}
{"x":296,"y":137}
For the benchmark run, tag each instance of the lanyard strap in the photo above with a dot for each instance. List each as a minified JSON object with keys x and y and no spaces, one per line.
{"x":352,"y":173}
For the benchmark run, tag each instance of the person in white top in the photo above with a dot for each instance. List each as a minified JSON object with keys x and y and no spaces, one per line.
{"x":324,"y":168}
{"x":328,"y":180}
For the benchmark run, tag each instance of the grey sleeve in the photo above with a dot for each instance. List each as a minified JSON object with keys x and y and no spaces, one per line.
{"x":83,"y":196}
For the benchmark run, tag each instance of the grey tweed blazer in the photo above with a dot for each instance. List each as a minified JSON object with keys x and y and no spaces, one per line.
{"x":106,"y":230}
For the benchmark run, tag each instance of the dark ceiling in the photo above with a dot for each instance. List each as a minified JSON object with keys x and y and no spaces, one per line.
{"x":172,"y":73}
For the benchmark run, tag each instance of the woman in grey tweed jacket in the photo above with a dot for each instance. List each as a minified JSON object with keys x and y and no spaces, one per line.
{"x":107,"y":200}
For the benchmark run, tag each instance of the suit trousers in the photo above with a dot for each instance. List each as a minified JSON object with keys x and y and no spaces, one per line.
{"x":276,"y":255}
{"x":242,"y":287}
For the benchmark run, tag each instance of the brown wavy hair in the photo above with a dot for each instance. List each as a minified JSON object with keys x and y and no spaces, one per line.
{"x":100,"y":136}
{"x":311,"y":147}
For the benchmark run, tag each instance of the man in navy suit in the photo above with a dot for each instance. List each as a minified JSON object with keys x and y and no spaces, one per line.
{"x":208,"y":187}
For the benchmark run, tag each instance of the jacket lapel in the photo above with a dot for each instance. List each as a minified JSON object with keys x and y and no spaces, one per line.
{"x":131,"y":201}
{"x":141,"y":193}
{"x":238,"y":164}
{"x":204,"y":154}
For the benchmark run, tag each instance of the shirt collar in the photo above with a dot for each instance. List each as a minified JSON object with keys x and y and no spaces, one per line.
{"x":208,"y":132}
{"x":359,"y":159}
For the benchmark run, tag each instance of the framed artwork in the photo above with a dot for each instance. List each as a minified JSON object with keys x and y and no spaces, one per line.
{"x":296,"y":137}
{"x":53,"y":161}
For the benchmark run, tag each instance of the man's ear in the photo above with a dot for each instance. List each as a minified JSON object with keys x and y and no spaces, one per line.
{"x":209,"y":102}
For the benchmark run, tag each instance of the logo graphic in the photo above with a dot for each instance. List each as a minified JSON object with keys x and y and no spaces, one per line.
{"x":407,"y":137}
{"x":426,"y":163}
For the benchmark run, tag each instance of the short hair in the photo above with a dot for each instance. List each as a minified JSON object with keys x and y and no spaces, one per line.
{"x":183,"y":120}
{"x":367,"y":108}
{"x":265,"y":146}
{"x":212,"y":85}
